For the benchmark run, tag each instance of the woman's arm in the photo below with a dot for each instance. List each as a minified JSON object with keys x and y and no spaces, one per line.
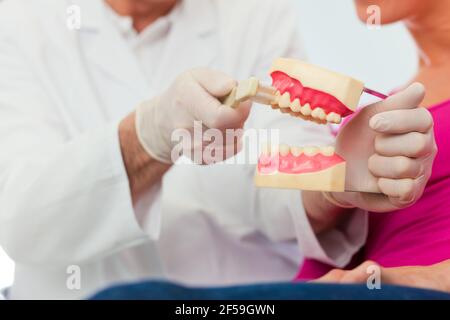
{"x":435,"y":277}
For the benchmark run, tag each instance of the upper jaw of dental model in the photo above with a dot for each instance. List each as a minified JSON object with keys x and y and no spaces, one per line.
{"x":314,"y":93}
{"x":297,"y":160}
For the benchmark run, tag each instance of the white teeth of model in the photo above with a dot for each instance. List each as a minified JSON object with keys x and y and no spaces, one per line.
{"x":337,"y":119}
{"x":274,"y":151}
{"x":285,"y":100}
{"x":334,"y":117}
{"x":284,"y":150}
{"x":330,"y":117}
{"x":327,"y":151}
{"x":295,"y":105}
{"x":306,"y":110}
{"x":319,"y":113}
{"x":277,"y":98}
{"x":296,"y":151}
{"x":311,"y":151}
{"x":265,"y":150}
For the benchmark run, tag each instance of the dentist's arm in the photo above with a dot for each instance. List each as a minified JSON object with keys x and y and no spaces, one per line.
{"x":143,"y":171}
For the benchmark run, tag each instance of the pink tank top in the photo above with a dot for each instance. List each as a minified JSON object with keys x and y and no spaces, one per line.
{"x":418,"y":235}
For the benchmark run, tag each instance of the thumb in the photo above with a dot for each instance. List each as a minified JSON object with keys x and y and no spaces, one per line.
{"x":409,"y":98}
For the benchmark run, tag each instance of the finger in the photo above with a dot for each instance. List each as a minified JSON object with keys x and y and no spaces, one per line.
{"x":369,"y":201}
{"x":403,"y":190}
{"x":409,"y":98}
{"x":394,"y":277}
{"x":213,"y":114}
{"x":232,"y":118}
{"x":405,"y":276}
{"x":380,"y":202}
{"x":402,"y":121}
{"x":413,"y":145}
{"x":214,"y":82}
{"x":334,"y":276}
{"x":359,"y":274}
{"x":399,"y":167}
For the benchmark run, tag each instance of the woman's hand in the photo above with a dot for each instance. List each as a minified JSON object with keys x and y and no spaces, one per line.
{"x":389,"y":148}
{"x":435,"y":277}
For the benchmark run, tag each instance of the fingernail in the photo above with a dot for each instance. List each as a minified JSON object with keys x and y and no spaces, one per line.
{"x":379,"y":123}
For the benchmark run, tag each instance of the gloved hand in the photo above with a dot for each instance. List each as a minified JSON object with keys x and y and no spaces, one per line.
{"x":389,"y":147}
{"x":192,"y":97}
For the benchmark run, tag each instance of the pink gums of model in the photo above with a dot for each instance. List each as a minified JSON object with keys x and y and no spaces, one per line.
{"x":283,"y":83}
{"x":269,"y":164}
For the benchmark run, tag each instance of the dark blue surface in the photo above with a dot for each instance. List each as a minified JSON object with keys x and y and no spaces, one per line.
{"x":154,"y":290}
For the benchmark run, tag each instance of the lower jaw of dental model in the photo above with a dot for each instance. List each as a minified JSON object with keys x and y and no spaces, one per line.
{"x":308,"y":168}
{"x":314,"y":93}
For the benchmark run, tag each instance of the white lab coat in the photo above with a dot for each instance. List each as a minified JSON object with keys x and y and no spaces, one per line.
{"x":64,"y":195}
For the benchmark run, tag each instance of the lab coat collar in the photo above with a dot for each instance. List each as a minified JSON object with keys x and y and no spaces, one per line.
{"x":189,"y":44}
{"x":193,"y":42}
{"x":194,"y":10}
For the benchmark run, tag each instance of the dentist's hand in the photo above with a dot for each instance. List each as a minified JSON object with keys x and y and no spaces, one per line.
{"x":146,"y":135}
{"x":389,"y":147}
{"x":194,"y":96}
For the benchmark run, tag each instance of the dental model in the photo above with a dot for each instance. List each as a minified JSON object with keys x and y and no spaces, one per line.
{"x":311,"y":93}
{"x":305,"y":168}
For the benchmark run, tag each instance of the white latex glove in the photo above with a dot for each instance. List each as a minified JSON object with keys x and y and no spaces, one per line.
{"x":192,"y":97}
{"x":389,"y":147}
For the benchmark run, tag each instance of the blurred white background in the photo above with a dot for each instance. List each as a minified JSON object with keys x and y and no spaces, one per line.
{"x":334,"y":37}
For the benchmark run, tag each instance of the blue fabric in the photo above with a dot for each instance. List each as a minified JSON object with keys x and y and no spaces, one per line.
{"x":154,"y":290}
